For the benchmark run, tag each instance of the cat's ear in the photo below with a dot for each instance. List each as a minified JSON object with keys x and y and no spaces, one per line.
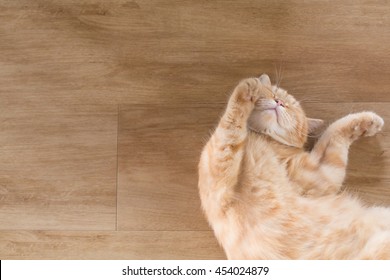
{"x":314,"y":125}
{"x":265,"y":80}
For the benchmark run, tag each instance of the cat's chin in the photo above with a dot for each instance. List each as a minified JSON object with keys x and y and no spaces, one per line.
{"x":281,"y":140}
{"x":267,"y":122}
{"x":262,"y":121}
{"x":271,"y":115}
{"x":277,"y":137}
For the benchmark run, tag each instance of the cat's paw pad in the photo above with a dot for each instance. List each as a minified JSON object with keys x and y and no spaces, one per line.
{"x":367,"y":124}
{"x":248,"y":90}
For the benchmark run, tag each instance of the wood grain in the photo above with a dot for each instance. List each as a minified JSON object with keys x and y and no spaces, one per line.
{"x":71,"y":161}
{"x":94,"y":245}
{"x":159,"y":148}
{"x":58,"y":167}
{"x":181,"y":51}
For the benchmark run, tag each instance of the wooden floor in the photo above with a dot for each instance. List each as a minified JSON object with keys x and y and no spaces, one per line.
{"x":105,"y":106}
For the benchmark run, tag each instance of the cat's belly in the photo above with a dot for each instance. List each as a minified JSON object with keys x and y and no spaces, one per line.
{"x":304,"y":229}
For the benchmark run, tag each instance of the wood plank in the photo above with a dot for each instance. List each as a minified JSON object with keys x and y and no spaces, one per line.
{"x":58,"y":167}
{"x":181,"y":51}
{"x":92,"y":245}
{"x":159,"y":148}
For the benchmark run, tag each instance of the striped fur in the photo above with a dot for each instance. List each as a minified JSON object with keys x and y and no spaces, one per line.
{"x":267,"y":198}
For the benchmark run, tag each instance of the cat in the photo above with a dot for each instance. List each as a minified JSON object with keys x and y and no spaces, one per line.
{"x":265,"y":197}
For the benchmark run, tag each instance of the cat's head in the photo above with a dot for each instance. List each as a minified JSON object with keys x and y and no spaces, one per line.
{"x":282,"y":117}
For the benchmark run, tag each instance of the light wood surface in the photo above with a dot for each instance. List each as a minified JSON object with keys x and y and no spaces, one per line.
{"x":109,"y":245}
{"x":159,"y":148}
{"x":105,"y":106}
{"x":58,"y":167}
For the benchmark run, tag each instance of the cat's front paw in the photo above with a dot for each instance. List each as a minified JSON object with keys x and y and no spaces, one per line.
{"x":366,"y":124}
{"x":248,"y":90}
{"x":251,"y":90}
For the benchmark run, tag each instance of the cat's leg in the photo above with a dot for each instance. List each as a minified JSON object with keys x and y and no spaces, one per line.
{"x":222,"y":156}
{"x":323,"y":169}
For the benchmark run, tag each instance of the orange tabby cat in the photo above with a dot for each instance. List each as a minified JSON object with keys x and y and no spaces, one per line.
{"x":267,"y":198}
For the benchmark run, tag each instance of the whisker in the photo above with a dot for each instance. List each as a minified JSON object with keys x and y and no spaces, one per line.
{"x":287,"y":119}
{"x":278,"y":73}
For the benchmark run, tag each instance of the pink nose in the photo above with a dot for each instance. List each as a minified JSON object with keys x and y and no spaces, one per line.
{"x":279,"y":102}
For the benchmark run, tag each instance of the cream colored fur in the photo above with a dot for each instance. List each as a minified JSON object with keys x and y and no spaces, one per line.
{"x":267,"y":198}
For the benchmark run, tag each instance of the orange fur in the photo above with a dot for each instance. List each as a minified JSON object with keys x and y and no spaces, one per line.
{"x":267,"y":198}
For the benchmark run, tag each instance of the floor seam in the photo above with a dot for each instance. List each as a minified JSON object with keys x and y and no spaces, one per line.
{"x":117,"y":166}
